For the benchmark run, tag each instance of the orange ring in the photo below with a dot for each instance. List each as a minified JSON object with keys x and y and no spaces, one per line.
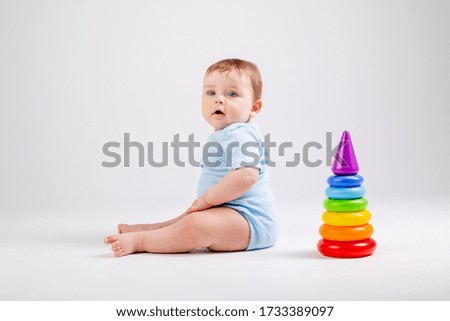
{"x":346,"y":233}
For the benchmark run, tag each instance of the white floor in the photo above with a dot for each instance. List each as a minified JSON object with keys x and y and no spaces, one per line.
{"x":59,"y":255}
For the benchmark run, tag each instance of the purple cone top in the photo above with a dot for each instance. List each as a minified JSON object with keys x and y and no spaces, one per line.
{"x":345,"y":162}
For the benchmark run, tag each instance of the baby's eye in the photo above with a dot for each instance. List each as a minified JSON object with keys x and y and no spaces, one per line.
{"x":210,"y":93}
{"x":232,"y":94}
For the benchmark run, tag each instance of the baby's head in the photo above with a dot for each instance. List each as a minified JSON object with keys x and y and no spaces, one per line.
{"x":231,"y":93}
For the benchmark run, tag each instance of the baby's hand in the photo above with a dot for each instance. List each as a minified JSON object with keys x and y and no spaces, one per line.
{"x":200,"y":204}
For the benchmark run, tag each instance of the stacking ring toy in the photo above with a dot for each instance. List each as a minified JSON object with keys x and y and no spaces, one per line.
{"x":352,"y":249}
{"x":345,"y":193}
{"x":345,"y":181}
{"x":355,"y":205}
{"x":346,"y":218}
{"x":346,"y":233}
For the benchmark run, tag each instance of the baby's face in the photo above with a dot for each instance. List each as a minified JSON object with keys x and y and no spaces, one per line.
{"x":228,"y":98}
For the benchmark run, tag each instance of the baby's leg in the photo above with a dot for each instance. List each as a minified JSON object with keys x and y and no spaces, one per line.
{"x":219,"y":229}
{"x":127,"y":228}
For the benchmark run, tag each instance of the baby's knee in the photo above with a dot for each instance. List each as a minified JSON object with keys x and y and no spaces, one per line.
{"x":193,"y":221}
{"x":196,"y":229}
{"x":199,"y":223}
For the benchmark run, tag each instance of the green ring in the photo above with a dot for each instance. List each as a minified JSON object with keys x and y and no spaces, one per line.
{"x":354,"y":205}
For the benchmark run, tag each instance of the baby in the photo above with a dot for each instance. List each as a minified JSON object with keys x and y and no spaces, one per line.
{"x":235,"y":209}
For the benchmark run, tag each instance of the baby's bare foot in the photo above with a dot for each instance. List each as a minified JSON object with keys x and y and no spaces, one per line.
{"x":126,"y":228}
{"x":123,"y":244}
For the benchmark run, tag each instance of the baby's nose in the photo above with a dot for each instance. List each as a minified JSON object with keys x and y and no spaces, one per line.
{"x":220,"y":99}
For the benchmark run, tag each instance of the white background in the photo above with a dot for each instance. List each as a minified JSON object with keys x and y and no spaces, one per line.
{"x":77,"y":74}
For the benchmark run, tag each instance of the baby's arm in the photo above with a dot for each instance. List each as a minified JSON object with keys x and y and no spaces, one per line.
{"x":230,"y":187}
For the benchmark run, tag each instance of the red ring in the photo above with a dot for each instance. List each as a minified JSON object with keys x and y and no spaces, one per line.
{"x":352,"y":249}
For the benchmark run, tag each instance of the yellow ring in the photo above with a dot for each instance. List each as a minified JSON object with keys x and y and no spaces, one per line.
{"x":346,"y":218}
{"x":346,"y":233}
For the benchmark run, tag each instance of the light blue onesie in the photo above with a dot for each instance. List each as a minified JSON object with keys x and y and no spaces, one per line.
{"x":240,"y":145}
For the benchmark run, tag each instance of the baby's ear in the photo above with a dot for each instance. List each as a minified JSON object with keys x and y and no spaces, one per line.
{"x":257,"y":105}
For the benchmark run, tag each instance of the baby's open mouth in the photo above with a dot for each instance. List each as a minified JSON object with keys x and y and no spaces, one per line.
{"x":218,"y":112}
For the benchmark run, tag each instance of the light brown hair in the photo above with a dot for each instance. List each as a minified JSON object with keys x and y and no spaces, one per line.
{"x":241,"y":66}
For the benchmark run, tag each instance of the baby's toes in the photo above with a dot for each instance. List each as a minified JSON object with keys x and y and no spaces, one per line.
{"x":121,"y":228}
{"x":110,"y":239}
{"x":116,"y":245}
{"x":118,"y":252}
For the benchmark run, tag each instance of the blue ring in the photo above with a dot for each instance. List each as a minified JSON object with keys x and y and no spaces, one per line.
{"x":345,"y":193}
{"x":345,"y":181}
